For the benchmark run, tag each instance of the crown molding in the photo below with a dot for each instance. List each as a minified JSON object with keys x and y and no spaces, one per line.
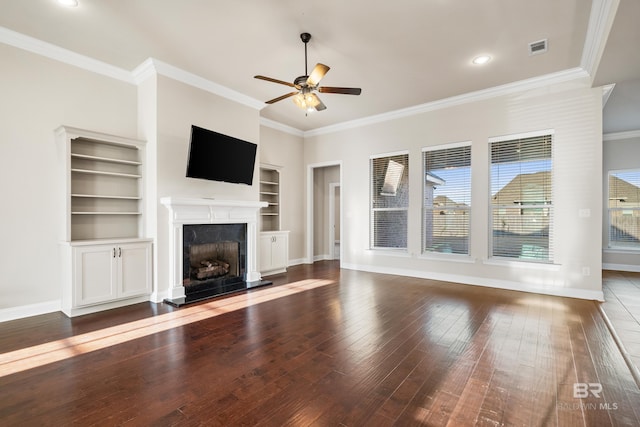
{"x":152,"y":65}
{"x":51,"y":51}
{"x":617,"y":136}
{"x":139,"y":74}
{"x":506,"y":89}
{"x":281,"y":127}
{"x":601,"y":19}
{"x":606,"y":93}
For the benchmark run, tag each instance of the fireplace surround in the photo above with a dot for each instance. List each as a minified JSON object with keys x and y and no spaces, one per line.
{"x":195,"y":215}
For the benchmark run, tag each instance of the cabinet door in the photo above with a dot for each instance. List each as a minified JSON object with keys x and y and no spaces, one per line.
{"x":134,"y":269}
{"x":265,"y":252}
{"x":279,"y":252}
{"x":95,"y":269}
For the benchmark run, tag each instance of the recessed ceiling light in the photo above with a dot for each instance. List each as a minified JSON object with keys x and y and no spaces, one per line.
{"x":482,"y":59}
{"x":68,"y":3}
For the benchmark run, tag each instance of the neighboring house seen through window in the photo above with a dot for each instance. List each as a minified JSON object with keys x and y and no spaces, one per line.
{"x":447,"y":198}
{"x":521,"y":197}
{"x":389,"y":201}
{"x":624,"y":209}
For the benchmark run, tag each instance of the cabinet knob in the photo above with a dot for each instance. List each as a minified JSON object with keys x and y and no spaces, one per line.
{"x":114,"y":252}
{"x":119,"y":252}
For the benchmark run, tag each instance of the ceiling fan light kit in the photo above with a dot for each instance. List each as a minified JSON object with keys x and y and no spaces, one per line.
{"x":305,"y":97}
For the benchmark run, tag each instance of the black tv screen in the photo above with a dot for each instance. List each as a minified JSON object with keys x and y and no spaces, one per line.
{"x":219,"y":157}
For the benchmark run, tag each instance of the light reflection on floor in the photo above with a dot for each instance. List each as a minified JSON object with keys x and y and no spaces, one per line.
{"x":54,"y":351}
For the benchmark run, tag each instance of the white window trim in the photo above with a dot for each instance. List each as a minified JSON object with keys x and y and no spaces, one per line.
{"x":612,"y":248}
{"x":499,"y":260}
{"x":381,"y":249}
{"x":434,"y":255}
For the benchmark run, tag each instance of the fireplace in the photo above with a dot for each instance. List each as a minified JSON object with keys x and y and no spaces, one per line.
{"x":214,"y":258}
{"x":206,"y":238}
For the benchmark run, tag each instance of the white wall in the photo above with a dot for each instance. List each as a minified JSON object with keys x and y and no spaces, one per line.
{"x":286,"y":150}
{"x":178,"y":107}
{"x":621,"y":151}
{"x":37,"y":96}
{"x":572,"y":110}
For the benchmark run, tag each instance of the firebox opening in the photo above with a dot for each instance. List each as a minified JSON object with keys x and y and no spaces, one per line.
{"x":212,"y":261}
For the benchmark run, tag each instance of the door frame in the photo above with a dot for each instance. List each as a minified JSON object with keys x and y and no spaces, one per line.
{"x":332,"y":218}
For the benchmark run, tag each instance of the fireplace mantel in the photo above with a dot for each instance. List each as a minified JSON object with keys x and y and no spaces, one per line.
{"x":185,"y":210}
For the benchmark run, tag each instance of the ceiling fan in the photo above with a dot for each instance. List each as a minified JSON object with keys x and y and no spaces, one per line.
{"x":304,"y":97}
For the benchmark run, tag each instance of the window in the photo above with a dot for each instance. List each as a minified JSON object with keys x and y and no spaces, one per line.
{"x":389,"y":201}
{"x":624,"y":209}
{"x":447,"y":198}
{"x":521,"y":195}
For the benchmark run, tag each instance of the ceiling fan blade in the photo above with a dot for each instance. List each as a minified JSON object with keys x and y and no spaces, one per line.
{"x":317,"y":74}
{"x":341,"y":90}
{"x":280,"y":98}
{"x":282,"y":82}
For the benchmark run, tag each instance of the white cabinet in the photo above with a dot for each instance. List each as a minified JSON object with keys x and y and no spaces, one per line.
{"x":274,"y":252}
{"x":106,"y":261}
{"x":108,"y":273}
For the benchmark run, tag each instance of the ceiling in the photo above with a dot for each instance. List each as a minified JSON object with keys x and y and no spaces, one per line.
{"x":410,"y":54}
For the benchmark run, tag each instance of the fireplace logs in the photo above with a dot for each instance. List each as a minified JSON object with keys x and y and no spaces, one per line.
{"x":212,"y":261}
{"x":211,"y":268}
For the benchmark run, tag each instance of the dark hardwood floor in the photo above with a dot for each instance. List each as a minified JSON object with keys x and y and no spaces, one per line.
{"x":323,"y":347}
{"x":622,"y":308}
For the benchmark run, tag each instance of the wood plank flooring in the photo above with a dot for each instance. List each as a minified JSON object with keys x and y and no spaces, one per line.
{"x":622,"y":308}
{"x":322,"y":347}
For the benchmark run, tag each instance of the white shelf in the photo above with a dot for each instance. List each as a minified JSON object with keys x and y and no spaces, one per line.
{"x":105,"y":159}
{"x":269,"y":183}
{"x":100,"y":196}
{"x":97,"y":172}
{"x":106,"y":213}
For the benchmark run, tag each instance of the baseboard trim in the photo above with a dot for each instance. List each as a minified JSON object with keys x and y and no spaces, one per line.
{"x":298,"y":261}
{"x":482,"y":281}
{"x":29,"y":310}
{"x":621,"y":267}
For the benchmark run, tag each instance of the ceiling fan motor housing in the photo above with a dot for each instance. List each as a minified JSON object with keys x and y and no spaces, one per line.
{"x":301,"y":81}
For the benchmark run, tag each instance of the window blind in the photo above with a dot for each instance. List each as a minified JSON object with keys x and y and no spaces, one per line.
{"x":624,"y":209}
{"x":521,"y":198}
{"x":389,"y":201}
{"x":447,"y":199}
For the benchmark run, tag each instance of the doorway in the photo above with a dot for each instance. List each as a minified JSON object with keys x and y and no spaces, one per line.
{"x":324,"y":209}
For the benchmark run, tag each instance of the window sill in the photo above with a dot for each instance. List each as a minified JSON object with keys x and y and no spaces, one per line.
{"x":522,"y":264}
{"x":401,"y":253}
{"x":437,"y":256}
{"x":629,"y":251}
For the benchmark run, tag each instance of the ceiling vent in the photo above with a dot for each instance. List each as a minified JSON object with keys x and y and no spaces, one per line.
{"x":538,"y":47}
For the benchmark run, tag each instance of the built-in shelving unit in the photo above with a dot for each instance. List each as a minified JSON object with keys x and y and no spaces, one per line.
{"x":270,"y":193}
{"x":274,"y":242}
{"x":105,"y":176}
{"x":106,"y":259}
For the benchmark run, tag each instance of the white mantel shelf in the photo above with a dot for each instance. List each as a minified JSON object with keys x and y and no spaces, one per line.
{"x":185,"y":210}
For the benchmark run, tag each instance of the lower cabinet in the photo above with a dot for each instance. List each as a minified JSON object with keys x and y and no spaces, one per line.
{"x":107,"y":275}
{"x":274,"y":252}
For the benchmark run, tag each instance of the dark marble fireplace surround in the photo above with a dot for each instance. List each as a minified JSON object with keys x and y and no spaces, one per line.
{"x":200,"y":234}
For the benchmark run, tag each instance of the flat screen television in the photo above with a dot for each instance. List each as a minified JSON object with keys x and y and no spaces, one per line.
{"x":219,"y":157}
